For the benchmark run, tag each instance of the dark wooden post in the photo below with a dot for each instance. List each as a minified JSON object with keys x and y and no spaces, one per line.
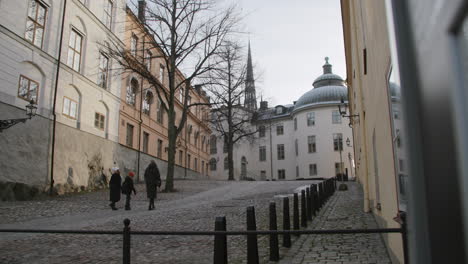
{"x":303,"y":209}
{"x":252,"y":245}
{"x":286,"y":223}
{"x":126,"y":241}
{"x":274,"y":250}
{"x":220,"y":242}
{"x":296,"y":213}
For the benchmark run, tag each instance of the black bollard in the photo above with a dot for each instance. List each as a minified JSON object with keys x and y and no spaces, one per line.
{"x":220,"y":242}
{"x":312,"y":201}
{"x":303,"y":209}
{"x":286,"y":223}
{"x":320,"y":195}
{"x":126,"y":241}
{"x":274,"y":250}
{"x":309,"y":205}
{"x":252,"y":245}
{"x":296,"y":213}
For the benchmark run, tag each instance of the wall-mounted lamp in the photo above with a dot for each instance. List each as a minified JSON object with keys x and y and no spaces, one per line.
{"x":31,"y":109}
{"x":342,"y":107}
{"x":348,"y":142}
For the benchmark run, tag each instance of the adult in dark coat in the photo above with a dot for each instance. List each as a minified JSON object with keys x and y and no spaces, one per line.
{"x":153,"y":181}
{"x":114,"y":187}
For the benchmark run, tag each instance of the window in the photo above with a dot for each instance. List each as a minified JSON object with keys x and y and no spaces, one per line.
{"x":103,"y":71}
{"x":74,"y":50}
{"x":295,"y":123}
{"x":189,"y":158}
{"x":159,"y":112}
{"x":279,"y":130}
{"x":181,"y":94}
{"x":159,"y":150}
{"x":337,"y":142}
{"x":312,"y":169}
{"x":336,"y":117}
{"x":262,"y":153}
{"x":261,"y":131}
{"x":196,"y":135}
{"x":226,"y":163}
{"x":202,"y":167}
{"x":131,"y":92}
{"x":69,"y":108}
{"x":213,"y":149}
{"x":280,"y":151}
{"x":281,"y":174}
{"x":134,"y":45}
{"x":145,"y":142}
{"x":398,"y":138}
{"x":28,"y":89}
{"x":99,"y":120}
{"x":129,"y":139}
{"x":297,"y":171}
{"x":108,"y":13}
{"x":147,"y":102}
{"x":396,"y":114}
{"x":181,"y":155}
{"x":161,"y":73}
{"x":189,"y":100}
{"x":195,"y":164}
{"x":148,"y":58}
{"x":212,"y":164}
{"x":35,"y":24}
{"x":296,"y":147}
{"x":401,"y":165}
{"x":311,"y":146}
{"x":311,"y":119}
{"x":338,"y":167}
{"x":279,"y":110}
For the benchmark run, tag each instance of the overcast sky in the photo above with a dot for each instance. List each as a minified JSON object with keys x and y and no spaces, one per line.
{"x":289,"y":41}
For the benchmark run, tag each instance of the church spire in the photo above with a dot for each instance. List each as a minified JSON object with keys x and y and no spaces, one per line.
{"x":250,"y":101}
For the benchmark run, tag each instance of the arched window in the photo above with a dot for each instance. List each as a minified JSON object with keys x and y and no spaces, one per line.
{"x":131,"y":92}
{"x":261,"y":131}
{"x":147,"y":102}
{"x":213,"y":164}
{"x":213,"y":148}
{"x":226,"y":163}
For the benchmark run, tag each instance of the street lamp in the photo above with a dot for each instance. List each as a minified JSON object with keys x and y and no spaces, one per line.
{"x":342,"y":109}
{"x":348,"y":142}
{"x":31,"y":109}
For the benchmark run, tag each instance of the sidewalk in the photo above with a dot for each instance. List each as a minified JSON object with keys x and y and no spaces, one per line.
{"x":342,"y":211}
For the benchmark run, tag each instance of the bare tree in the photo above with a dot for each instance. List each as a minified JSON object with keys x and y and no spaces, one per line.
{"x":230,"y":119}
{"x":189,"y":33}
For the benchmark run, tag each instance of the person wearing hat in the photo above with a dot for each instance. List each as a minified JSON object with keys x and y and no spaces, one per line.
{"x":114,"y":187}
{"x":127,"y":188}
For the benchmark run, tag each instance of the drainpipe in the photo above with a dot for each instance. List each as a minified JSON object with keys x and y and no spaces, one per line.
{"x":140,"y":121}
{"x":54,"y":124}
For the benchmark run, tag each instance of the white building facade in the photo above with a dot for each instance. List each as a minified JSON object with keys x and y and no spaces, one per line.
{"x":304,"y":140}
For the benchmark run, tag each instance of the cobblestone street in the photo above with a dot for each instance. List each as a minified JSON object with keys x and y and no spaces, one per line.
{"x":342,"y":211}
{"x":193,"y":208}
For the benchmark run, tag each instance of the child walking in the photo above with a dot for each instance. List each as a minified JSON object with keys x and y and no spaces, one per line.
{"x":127,"y":188}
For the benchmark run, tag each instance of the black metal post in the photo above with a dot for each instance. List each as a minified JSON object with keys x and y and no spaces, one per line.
{"x":404,"y":235}
{"x":312,"y":201}
{"x":274,"y":250}
{"x":252,"y":245}
{"x":126,"y":241}
{"x":286,"y":223}
{"x":309,"y":205}
{"x":296,"y":212}
{"x":220,"y":242}
{"x":320,"y":194}
{"x":303,"y":209}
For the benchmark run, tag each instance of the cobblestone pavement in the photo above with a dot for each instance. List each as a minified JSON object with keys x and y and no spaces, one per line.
{"x":342,"y":211}
{"x":194,"y":207}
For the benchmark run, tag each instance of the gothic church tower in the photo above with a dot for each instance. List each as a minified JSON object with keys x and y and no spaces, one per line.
{"x":250,"y":101}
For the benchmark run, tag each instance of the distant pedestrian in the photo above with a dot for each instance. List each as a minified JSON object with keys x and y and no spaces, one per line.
{"x":114,"y":187}
{"x":127,"y":188}
{"x":153,"y":181}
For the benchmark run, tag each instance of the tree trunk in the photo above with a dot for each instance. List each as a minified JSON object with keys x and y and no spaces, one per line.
{"x":230,"y":158}
{"x":171,"y":152}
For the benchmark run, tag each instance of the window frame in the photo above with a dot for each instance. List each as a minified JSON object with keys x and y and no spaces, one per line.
{"x":146,"y":139}
{"x":280,"y":151}
{"x":279,"y":129}
{"x":28,"y":98}
{"x":336,"y":117}
{"x":108,"y":14}
{"x":311,"y":144}
{"x":74,"y":51}
{"x":100,"y":121}
{"x":36,"y":23}
{"x":69,"y":108}
{"x":103,"y":71}
{"x":262,"y":153}
{"x":134,"y":44}
{"x":310,"y":119}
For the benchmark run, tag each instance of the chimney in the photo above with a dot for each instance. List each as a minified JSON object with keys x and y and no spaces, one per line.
{"x":263,"y":105}
{"x":141,"y":10}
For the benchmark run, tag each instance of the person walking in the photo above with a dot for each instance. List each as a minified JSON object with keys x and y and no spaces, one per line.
{"x":152,"y":181}
{"x":114,"y":187}
{"x":127,"y":188}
